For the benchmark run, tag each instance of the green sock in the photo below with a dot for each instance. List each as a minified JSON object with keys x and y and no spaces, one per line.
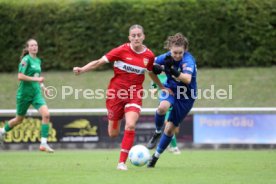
{"x":173,"y":142}
{"x":7,"y":127}
{"x":44,"y":130}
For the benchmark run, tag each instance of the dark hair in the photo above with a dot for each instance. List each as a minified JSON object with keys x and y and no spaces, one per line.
{"x":136,"y":26}
{"x":25,"y":49}
{"x":176,"y":40}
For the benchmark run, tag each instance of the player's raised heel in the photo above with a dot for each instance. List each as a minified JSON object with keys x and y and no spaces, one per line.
{"x":152,"y":161}
{"x":46,"y":148}
{"x":153,"y":140}
{"x":122,"y":166}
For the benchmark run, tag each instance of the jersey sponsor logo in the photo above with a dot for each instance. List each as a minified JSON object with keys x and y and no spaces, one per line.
{"x":184,"y":66}
{"x":128,"y":58}
{"x":129,"y":68}
{"x":146,"y":61}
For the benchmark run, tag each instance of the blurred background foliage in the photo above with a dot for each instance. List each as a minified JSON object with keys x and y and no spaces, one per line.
{"x":222,"y":33}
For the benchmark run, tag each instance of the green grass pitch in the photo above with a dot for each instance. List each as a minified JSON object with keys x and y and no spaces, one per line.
{"x":99,"y":166}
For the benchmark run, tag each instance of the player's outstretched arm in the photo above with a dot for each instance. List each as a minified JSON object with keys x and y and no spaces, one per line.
{"x":90,"y":66}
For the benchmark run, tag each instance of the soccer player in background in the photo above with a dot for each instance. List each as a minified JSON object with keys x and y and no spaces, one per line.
{"x":153,"y":141}
{"x":124,"y":98}
{"x":29,"y":93}
{"x":180,"y":68}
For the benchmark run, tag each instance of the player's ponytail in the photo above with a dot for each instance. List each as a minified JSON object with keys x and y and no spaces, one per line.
{"x":24,"y":53}
{"x":176,"y":40}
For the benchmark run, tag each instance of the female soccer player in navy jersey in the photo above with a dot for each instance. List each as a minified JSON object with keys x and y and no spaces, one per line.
{"x":130,"y":62}
{"x":180,"y":68}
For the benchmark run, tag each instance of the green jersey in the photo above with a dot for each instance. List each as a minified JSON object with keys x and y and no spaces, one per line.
{"x":31,"y":67}
{"x":162,"y":78}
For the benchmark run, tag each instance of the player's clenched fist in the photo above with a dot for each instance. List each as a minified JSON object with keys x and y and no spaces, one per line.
{"x":77,"y":70}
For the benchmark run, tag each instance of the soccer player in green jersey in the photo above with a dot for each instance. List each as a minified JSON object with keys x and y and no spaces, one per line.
{"x":29,"y":93}
{"x":152,"y":142}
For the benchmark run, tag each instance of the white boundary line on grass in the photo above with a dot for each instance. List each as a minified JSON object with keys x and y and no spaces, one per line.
{"x":208,"y":110}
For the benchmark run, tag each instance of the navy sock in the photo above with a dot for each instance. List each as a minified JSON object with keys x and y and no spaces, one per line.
{"x":159,"y":121}
{"x":164,"y":142}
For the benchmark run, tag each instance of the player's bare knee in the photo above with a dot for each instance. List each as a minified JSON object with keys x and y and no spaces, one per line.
{"x":161,"y":110}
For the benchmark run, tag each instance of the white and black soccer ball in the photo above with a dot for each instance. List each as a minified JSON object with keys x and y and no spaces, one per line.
{"x":139,"y":155}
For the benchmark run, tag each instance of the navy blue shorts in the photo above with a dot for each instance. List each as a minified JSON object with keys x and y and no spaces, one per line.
{"x":180,"y":107}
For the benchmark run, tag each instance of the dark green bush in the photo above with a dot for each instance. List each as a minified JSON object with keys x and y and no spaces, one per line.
{"x":222,"y":33}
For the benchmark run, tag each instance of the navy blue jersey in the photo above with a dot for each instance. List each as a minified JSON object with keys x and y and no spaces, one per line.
{"x":186,"y":65}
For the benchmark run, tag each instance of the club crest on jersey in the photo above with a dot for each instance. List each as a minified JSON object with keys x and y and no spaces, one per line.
{"x":23,"y":63}
{"x":146,"y":61}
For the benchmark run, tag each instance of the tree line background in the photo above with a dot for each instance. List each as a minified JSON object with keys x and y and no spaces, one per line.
{"x":222,"y":33}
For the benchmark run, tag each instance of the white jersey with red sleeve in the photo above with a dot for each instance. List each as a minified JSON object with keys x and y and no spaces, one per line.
{"x":129,"y":66}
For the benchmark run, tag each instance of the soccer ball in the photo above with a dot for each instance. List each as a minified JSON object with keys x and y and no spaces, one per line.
{"x":139,"y":155}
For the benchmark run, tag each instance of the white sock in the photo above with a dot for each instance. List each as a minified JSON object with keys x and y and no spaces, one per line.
{"x":156,"y":154}
{"x":43,"y":140}
{"x":2,"y":131}
{"x":158,"y":131}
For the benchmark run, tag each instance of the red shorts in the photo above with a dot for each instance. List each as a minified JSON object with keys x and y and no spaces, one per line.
{"x":118,"y":104}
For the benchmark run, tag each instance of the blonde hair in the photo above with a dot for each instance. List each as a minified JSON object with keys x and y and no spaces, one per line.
{"x":136,"y":26}
{"x":176,"y":40}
